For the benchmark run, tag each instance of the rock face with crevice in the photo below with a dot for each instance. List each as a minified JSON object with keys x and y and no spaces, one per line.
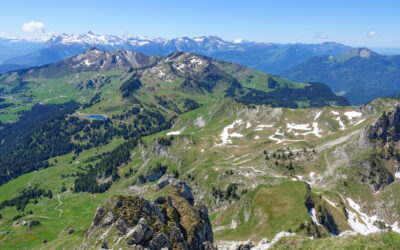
{"x":170,"y":221}
{"x":386,"y":128}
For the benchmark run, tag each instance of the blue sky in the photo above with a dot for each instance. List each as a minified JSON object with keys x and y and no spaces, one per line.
{"x":284,"y":21}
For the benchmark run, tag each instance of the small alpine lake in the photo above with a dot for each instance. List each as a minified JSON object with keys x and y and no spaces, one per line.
{"x":97,"y":117}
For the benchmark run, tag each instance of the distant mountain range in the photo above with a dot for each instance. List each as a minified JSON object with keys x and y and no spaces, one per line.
{"x":188,"y":74}
{"x":360,"y":74}
{"x":267,"y":57}
{"x":13,"y":47}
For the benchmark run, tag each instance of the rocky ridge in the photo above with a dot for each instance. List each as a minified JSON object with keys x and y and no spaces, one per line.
{"x":171,"y":221}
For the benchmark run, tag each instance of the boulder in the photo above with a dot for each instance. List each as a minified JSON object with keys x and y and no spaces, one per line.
{"x":159,"y":241}
{"x":69,"y":230}
{"x":104,"y":244}
{"x":121,"y":226}
{"x":111,"y":218}
{"x":245,"y":246}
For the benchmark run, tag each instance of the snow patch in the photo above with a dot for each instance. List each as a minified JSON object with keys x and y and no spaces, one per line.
{"x":176,"y":132}
{"x":335,"y":113}
{"x":272,"y":137}
{"x":248,"y":125}
{"x":317,"y":116}
{"x":293,"y":126}
{"x":257,"y":137}
{"x":262,"y":126}
{"x":352,"y":114}
{"x":313,"y":215}
{"x":397,"y":174}
{"x":225,"y":135}
{"x":199,"y":122}
{"x":304,"y":127}
{"x":359,"y":221}
{"x":342,"y":126}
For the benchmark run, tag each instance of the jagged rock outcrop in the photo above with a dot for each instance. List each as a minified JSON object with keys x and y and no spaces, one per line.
{"x":153,"y":173}
{"x":383,"y":138}
{"x":182,"y":187}
{"x":172,"y":221}
{"x":387,"y":128}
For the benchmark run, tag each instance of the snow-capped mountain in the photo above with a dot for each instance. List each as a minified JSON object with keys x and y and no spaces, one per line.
{"x":267,"y":57}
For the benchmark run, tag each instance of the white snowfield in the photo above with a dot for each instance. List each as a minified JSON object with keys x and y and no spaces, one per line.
{"x":262,"y":126}
{"x":352,"y":114}
{"x":225,"y":135}
{"x":364,"y":224}
{"x":278,"y":133}
{"x":313,"y":215}
{"x":297,"y":129}
{"x":304,"y":127}
{"x":359,"y":221}
{"x":293,"y":126}
{"x":397,"y":174}
{"x":176,"y":132}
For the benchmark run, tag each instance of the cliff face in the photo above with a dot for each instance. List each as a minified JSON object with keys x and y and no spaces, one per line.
{"x":387,"y":128}
{"x":170,"y":222}
{"x":383,"y":137}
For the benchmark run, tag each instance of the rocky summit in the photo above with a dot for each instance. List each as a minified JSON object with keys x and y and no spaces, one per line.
{"x":171,"y":221}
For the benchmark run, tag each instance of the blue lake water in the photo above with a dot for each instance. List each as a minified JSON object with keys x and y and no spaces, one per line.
{"x":97,"y":117}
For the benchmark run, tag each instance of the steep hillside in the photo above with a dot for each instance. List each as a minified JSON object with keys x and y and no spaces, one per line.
{"x":360,"y":74}
{"x":134,"y":95}
{"x":262,"y":172}
{"x":136,"y":76}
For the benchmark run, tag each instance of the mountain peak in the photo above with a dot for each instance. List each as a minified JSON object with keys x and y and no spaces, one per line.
{"x":359,"y":52}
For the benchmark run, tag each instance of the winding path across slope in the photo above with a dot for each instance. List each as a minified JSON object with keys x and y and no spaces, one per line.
{"x":60,"y":211}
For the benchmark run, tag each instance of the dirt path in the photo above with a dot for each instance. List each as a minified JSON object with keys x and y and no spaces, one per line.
{"x":60,"y":211}
{"x":30,"y":181}
{"x":335,"y":142}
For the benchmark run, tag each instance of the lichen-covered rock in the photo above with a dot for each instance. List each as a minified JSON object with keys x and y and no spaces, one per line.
{"x":180,"y":185}
{"x":172,"y":221}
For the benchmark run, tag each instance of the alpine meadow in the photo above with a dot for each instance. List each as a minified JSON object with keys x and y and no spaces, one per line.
{"x":199,"y":125}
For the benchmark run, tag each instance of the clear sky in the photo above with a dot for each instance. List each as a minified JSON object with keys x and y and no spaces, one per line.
{"x":352,"y":22}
